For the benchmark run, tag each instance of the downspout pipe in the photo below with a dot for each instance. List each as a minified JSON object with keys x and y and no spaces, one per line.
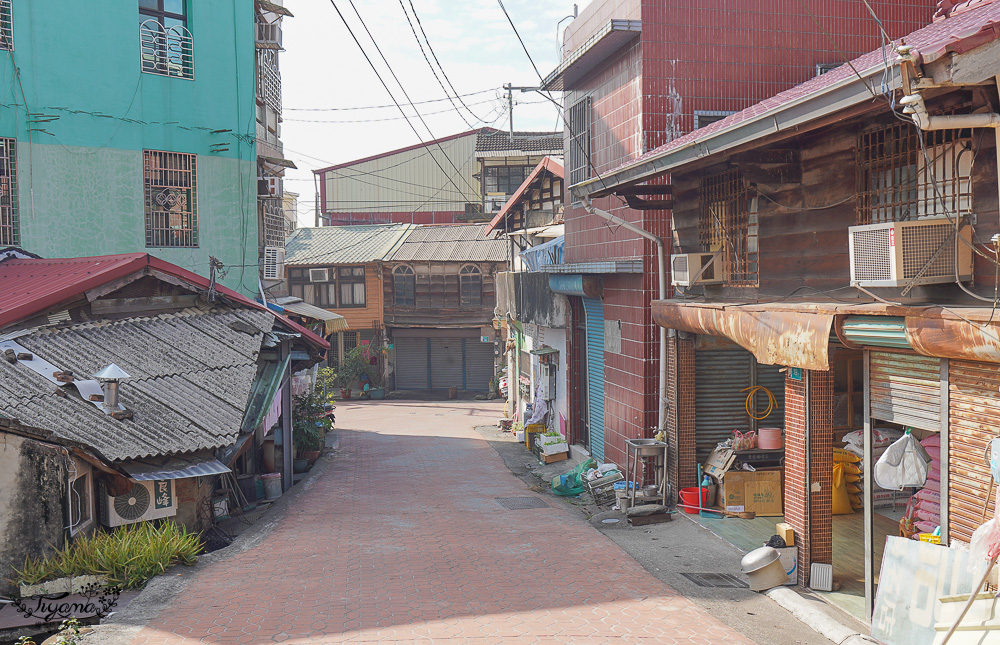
{"x":661,"y":261}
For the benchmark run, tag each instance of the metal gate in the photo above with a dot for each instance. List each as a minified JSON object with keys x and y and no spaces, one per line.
{"x":594,"y":313}
{"x":447,"y":368}
{"x":973,"y":420}
{"x":479,"y":365}
{"x":412,"y":360}
{"x":906,"y":389}
{"x":720,"y":405}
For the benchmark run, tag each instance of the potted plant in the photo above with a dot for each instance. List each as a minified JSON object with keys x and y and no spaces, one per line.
{"x":309,"y":425}
{"x":354,"y":364}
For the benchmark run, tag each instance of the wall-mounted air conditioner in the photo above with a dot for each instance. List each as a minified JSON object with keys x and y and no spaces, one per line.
{"x":685,"y":266}
{"x":148,"y":500}
{"x":319,"y":275}
{"x":269,"y":186}
{"x":274,"y":263}
{"x":894,"y":254}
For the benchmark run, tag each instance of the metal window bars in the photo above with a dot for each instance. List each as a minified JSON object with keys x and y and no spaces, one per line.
{"x":728,"y":223}
{"x":579,"y":141}
{"x":274,"y":223}
{"x":167,"y":51}
{"x":269,"y":79}
{"x":171,"y":201}
{"x":10,"y":229}
{"x":897,"y":181}
{"x":6,"y":26}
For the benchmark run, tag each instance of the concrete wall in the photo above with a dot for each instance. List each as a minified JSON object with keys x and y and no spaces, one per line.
{"x":80,"y":181}
{"x":32,"y":500}
{"x":192,"y":510}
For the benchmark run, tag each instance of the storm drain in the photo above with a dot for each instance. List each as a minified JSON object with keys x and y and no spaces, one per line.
{"x":521,"y":503}
{"x":716,"y":580}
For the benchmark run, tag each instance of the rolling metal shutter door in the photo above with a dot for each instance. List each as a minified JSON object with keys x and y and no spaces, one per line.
{"x":973,"y":417}
{"x":479,"y":365}
{"x":411,"y":363}
{"x":593,"y":309}
{"x":906,"y":389}
{"x":720,"y":374}
{"x":447,"y":369}
{"x":772,"y":379}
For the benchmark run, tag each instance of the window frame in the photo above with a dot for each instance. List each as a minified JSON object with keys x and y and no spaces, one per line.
{"x":466,"y":274}
{"x":509,"y":185}
{"x":167,"y":50}
{"x":10,"y":223}
{"x":578,"y":155}
{"x":728,"y":223}
{"x":300,"y":286}
{"x":159,"y":229}
{"x":399,"y":273}
{"x":6,"y":25}
{"x":353,"y":279}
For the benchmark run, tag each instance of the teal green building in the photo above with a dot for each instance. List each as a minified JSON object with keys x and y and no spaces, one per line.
{"x":130,"y":126}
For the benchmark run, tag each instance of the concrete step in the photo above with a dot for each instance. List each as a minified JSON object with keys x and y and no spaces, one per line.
{"x":980,"y":625}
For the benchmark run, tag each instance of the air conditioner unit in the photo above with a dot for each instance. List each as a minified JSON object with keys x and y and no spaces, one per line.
{"x":319,"y":275}
{"x":274,"y":263}
{"x":685,"y":266}
{"x":893,"y":254}
{"x":268,"y":186}
{"x":148,"y":500}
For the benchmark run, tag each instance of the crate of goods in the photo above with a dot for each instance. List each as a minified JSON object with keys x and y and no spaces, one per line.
{"x":883,"y":498}
{"x":555,"y":447}
{"x":603,"y":488}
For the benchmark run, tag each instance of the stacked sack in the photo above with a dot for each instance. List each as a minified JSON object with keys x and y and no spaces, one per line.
{"x":846,"y":477}
{"x":924,"y":507}
{"x":854,"y":444}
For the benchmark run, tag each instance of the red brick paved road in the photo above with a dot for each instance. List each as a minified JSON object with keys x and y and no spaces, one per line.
{"x":401,"y":541}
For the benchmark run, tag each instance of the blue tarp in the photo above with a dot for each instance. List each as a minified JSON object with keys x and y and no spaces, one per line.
{"x":549,"y":253}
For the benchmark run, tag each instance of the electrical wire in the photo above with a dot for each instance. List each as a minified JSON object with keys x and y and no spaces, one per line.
{"x":377,"y":107}
{"x":520,"y":40}
{"x":400,"y":118}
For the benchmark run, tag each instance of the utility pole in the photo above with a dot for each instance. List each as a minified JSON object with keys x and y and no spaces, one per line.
{"x":510,"y":103}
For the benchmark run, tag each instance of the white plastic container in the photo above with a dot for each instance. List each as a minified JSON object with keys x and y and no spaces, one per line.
{"x":763,"y":567}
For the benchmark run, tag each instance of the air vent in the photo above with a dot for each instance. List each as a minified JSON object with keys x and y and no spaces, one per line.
{"x":274,"y":263}
{"x":896,"y":254}
{"x":687,"y":269}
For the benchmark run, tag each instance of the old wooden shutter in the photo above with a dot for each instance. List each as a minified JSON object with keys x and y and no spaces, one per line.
{"x":973,"y":420}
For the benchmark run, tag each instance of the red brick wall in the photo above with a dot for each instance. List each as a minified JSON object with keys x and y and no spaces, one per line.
{"x":812,"y":520}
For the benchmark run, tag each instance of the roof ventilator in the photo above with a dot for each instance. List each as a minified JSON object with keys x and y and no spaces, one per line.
{"x":109,"y":378}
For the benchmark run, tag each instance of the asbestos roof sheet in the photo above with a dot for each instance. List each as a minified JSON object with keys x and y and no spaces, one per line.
{"x":458,"y":243}
{"x":354,"y":244}
{"x":499,"y":143}
{"x":191,"y":374}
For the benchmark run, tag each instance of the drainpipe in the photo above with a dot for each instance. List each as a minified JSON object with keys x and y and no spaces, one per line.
{"x":661,"y":261}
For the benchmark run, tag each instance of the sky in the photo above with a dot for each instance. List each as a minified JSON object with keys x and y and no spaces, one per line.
{"x":330,"y":92}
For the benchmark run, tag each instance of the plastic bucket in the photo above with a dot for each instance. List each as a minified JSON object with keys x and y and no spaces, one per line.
{"x":770,"y":439}
{"x":272,"y":485}
{"x":689,"y":499}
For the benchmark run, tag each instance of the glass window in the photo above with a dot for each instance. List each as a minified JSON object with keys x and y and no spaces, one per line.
{"x":470,"y":280}
{"x":345,"y":287}
{"x":505,"y":179}
{"x":403,"y":286}
{"x":166,"y":46}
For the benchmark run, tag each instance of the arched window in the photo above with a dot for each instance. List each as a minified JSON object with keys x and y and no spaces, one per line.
{"x":470,"y":285}
{"x":404,"y":286}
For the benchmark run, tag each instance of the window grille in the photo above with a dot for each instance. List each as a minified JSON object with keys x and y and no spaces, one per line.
{"x":171,"y":182}
{"x":728,"y":224}
{"x":470,"y":280}
{"x":10,"y":229}
{"x":268,"y":79}
{"x":403,"y":286}
{"x":897,"y":180}
{"x":579,"y":142}
{"x":274,"y":223}
{"x":6,"y":26}
{"x":166,"y":50}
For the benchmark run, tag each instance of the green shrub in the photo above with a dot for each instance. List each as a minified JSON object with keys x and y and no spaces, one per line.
{"x":127,"y":557}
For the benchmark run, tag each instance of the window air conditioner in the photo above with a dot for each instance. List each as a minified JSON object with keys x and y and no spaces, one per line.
{"x":268,"y":186}
{"x":319,"y":275}
{"x":148,"y":500}
{"x":274,"y":263}
{"x":893,"y":254}
{"x":685,"y":266}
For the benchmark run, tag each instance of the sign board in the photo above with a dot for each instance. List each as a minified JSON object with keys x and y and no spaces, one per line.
{"x":914,"y":576}
{"x":795,"y":373}
{"x":484,"y":339}
{"x":758,"y":491}
{"x":163,"y":493}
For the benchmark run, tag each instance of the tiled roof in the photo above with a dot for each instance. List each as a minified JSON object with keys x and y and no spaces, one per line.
{"x":458,"y":243}
{"x":190,"y":372}
{"x":978,"y":23}
{"x":537,"y":142}
{"x":343,"y":244}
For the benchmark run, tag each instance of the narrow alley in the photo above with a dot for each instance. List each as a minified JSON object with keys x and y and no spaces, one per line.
{"x":401,"y":538}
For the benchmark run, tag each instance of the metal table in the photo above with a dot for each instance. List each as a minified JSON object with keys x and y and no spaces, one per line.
{"x":637,"y":449}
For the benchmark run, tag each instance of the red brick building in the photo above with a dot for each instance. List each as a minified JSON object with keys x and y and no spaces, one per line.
{"x":635,"y":75}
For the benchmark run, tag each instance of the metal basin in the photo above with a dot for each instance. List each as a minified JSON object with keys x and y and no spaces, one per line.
{"x":646,"y":447}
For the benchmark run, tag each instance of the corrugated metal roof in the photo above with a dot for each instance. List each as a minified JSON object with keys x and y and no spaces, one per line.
{"x":174,"y":468}
{"x":537,"y":142}
{"x":458,"y":243}
{"x":191,"y":374}
{"x":343,"y":244}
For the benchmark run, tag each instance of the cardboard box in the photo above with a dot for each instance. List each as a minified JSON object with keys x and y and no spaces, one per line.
{"x":784,"y":530}
{"x":719,"y":462}
{"x":551,"y":459}
{"x":758,"y":491}
{"x":789,"y":559}
{"x":554,"y":448}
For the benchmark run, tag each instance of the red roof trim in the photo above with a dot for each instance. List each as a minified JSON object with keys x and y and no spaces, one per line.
{"x":416,"y":146}
{"x":551,"y":164}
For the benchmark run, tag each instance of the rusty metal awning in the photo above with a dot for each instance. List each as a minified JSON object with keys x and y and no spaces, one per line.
{"x":791,"y":338}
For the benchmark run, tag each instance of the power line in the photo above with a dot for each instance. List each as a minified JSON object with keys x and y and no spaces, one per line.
{"x":377,"y":107}
{"x":520,"y":40}
{"x":399,"y":118}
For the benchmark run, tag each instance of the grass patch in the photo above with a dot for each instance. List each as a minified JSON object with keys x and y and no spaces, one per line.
{"x":126,"y":557}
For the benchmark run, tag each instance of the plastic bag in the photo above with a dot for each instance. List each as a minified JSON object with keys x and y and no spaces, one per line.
{"x":570,"y":484}
{"x":995,"y":459}
{"x":905,"y":463}
{"x":985,"y":542}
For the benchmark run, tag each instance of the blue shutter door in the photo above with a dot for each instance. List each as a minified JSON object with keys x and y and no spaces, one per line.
{"x":594,"y":313}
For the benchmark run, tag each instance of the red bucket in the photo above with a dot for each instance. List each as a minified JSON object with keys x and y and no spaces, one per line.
{"x":689,"y":499}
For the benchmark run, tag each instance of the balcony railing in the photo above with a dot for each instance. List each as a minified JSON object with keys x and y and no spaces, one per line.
{"x":167,"y":51}
{"x":269,"y":35}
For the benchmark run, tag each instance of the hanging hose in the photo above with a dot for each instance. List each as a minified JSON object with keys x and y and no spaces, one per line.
{"x":751,"y":410}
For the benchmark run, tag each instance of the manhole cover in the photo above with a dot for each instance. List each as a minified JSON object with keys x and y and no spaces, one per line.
{"x":716,"y":580}
{"x":611,"y":520}
{"x":521,"y":503}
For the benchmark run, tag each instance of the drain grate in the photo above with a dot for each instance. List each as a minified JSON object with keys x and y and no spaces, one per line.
{"x":521,"y":503}
{"x":716,"y":580}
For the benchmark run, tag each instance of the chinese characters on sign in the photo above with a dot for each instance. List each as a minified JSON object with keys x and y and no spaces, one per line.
{"x":163,"y":493}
